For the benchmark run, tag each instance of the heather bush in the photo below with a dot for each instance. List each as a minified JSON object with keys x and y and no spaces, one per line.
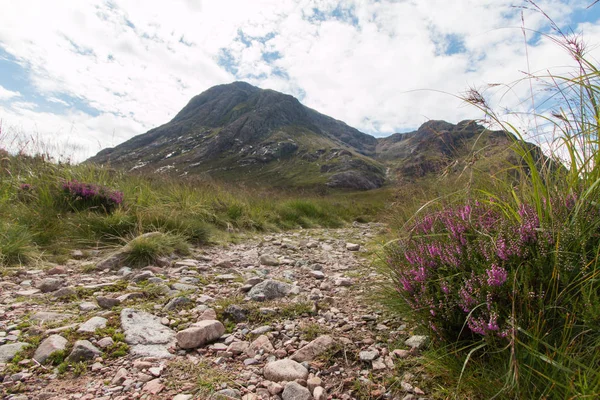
{"x":87,"y":196}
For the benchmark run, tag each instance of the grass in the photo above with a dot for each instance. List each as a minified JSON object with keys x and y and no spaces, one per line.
{"x":205,"y":378}
{"x":35,"y":221}
{"x":147,"y":249}
{"x":551,"y":349}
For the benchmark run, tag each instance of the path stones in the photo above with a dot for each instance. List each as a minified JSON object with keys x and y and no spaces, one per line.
{"x":352,"y":246}
{"x":146,"y":335}
{"x":83,"y":350}
{"x":295,"y":391}
{"x":107,"y":302}
{"x":269,"y":260}
{"x":49,"y":285}
{"x":92,"y":324}
{"x":8,"y":351}
{"x":314,"y":349}
{"x":269,"y":290}
{"x":201,"y":333}
{"x":284,"y":370}
{"x":50,"y":345}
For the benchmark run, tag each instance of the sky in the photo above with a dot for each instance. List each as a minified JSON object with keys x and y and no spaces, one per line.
{"x":79,"y":76}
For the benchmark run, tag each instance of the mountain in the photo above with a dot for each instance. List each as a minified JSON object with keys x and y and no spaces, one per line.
{"x":238,"y":132}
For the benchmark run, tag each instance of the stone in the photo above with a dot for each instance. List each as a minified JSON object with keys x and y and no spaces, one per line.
{"x":368,"y":355}
{"x":343,"y":282}
{"x":274,"y":388}
{"x":226,"y":394}
{"x":225,"y":277}
{"x":319,"y":393}
{"x":64,"y":292}
{"x":184,"y":287}
{"x":379,"y":364}
{"x":238,"y":348}
{"x":119,"y":377}
{"x":87,"y":306}
{"x":107,"y":302}
{"x":154,"y":386}
{"x":352,"y":246}
{"x":199,"y":334}
{"x":295,"y":391}
{"x":416,"y":341}
{"x":50,"y":345}
{"x":314,"y":349}
{"x":269,"y":260}
{"x":208,"y":315}
{"x":83,"y":350}
{"x":9,"y":351}
{"x":105,"y":343}
{"x":401,"y":354}
{"x":45,"y":316}
{"x":49,"y":285}
{"x":92,"y":324}
{"x":313,"y":382}
{"x":261,"y":343}
{"x":317,"y":274}
{"x":269,"y":290}
{"x":183,"y":397}
{"x":237,"y":313}
{"x":285,"y":370}
{"x":58,"y":270}
{"x":177,"y":303}
{"x":145,"y":334}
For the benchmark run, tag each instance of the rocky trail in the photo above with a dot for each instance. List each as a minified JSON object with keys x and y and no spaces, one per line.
{"x":280,"y":316}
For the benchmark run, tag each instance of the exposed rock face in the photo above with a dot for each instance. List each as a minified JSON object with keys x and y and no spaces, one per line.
{"x":146,"y":335}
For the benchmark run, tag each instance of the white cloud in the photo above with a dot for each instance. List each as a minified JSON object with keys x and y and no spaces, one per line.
{"x":377,"y":65}
{"x":6,"y":94}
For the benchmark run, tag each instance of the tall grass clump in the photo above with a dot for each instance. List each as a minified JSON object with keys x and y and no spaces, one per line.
{"x":508,"y":281}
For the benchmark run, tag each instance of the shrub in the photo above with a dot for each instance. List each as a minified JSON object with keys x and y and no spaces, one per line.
{"x":148,"y":248}
{"x":16,"y":245}
{"x":87,"y":196}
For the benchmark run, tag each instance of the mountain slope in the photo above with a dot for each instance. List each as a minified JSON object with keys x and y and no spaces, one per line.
{"x":243,"y":133}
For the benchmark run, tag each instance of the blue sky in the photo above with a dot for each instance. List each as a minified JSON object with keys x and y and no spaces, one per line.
{"x":90,"y":74}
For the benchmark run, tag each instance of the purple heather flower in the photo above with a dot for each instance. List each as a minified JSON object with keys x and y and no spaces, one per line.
{"x":496,"y":275}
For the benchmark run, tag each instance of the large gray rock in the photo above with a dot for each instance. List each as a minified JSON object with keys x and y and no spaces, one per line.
{"x":50,"y":285}
{"x":9,"y":351}
{"x":314,"y":349}
{"x":295,"y":391}
{"x":199,"y":334}
{"x":50,"y":345}
{"x":92,"y":324}
{"x":83,"y":350}
{"x":145,"y":334}
{"x":285,"y":370}
{"x":269,"y":290}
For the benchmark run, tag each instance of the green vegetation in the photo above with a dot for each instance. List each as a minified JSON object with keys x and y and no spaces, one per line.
{"x":506,"y":276}
{"x":35,"y":219}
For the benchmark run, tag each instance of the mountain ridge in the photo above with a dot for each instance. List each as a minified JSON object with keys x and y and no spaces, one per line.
{"x":243,"y":133}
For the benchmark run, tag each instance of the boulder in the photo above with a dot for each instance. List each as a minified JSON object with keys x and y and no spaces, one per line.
{"x":49,"y":285}
{"x":92,"y":324}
